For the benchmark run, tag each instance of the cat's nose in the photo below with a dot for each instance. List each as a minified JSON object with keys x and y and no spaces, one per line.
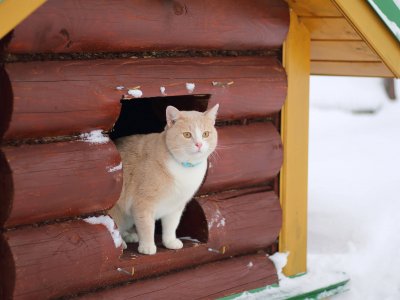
{"x":198,"y":145}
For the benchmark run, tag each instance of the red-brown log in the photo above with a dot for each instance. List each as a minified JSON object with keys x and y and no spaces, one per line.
{"x":246,"y":155}
{"x":135,"y":25}
{"x":6,"y":101}
{"x":57,"y":180}
{"x":65,"y":258}
{"x":61,"y":98}
{"x":210,"y":281}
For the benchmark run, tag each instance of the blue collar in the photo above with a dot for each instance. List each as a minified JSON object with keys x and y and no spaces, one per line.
{"x":187,"y":164}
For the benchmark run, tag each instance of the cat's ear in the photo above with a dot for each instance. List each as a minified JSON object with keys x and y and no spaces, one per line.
{"x":172,"y":114}
{"x":212,"y":112}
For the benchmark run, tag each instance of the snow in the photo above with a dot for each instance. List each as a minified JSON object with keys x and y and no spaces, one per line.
{"x":190,"y":87}
{"x":216,"y":219}
{"x":280,"y":261}
{"x":110,"y":225}
{"x":136,"y":93}
{"x":188,"y":238}
{"x":94,"y":137}
{"x":250,"y":264}
{"x":162,"y":90}
{"x":120,"y":88}
{"x":354,"y":188}
{"x":397,"y":2}
{"x":116,"y":168}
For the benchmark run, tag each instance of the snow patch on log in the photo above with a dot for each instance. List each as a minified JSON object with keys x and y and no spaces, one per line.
{"x":95,"y":137}
{"x":280,"y":260}
{"x":190,"y":87}
{"x":188,"y":238}
{"x":116,"y":168}
{"x":217,"y":219}
{"x":135,"y":93}
{"x":110,"y":225}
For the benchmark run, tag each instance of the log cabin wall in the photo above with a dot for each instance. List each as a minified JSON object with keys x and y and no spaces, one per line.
{"x":59,"y":76}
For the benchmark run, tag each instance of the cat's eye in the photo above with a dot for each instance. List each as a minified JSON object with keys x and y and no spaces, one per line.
{"x":206,"y":134}
{"x":187,"y":135}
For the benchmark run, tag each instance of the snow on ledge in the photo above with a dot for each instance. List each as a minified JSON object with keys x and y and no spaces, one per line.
{"x":190,"y":87}
{"x":94,"y":137}
{"x":317,"y":278}
{"x":280,"y":260}
{"x":116,"y":168}
{"x":136,"y":93}
{"x":110,"y":225}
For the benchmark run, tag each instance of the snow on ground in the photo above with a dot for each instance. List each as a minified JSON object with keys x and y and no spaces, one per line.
{"x":354,"y":189}
{"x":354,"y":185}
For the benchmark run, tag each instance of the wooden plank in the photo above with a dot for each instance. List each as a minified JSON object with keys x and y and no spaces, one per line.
{"x":350,"y":68}
{"x":320,"y":8}
{"x":245,"y":156}
{"x":330,"y":28}
{"x":294,"y":130}
{"x":210,"y":281}
{"x":65,"y":258}
{"x":58,"y":180}
{"x":61,"y":98}
{"x":12,"y":12}
{"x":152,"y":25}
{"x":373,"y":31}
{"x":342,"y":50}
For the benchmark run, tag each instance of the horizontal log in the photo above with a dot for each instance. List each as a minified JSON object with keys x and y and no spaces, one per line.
{"x":126,"y":25}
{"x":57,"y":180}
{"x":210,"y":281}
{"x":245,"y":156}
{"x":65,"y":258}
{"x":61,"y":98}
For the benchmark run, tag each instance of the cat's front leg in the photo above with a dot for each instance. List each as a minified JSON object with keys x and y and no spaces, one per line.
{"x":169,"y":225}
{"x":145,"y":225}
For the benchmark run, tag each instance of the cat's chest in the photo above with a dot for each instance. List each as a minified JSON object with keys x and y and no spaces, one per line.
{"x":186,"y":182}
{"x":187,"y":179}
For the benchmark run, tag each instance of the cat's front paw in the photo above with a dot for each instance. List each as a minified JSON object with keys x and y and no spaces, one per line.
{"x":147,"y":249}
{"x":173,"y":244}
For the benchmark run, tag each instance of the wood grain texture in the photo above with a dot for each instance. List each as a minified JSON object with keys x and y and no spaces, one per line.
{"x":320,"y":8}
{"x":245,"y":156}
{"x":126,"y":25}
{"x":350,"y":68}
{"x":330,"y":29}
{"x":209,"y":281}
{"x":342,"y":51}
{"x":294,"y":130}
{"x":66,"y":258}
{"x":373,"y":31}
{"x":57,"y":180}
{"x":61,"y":98}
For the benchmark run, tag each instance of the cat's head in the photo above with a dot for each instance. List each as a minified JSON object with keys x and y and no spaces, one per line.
{"x":191,"y":135}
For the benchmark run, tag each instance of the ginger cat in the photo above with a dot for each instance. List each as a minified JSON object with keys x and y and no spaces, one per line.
{"x":162,"y":172}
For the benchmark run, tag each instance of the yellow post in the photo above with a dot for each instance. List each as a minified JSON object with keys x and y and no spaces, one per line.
{"x":12,"y":12}
{"x":294,"y":130}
